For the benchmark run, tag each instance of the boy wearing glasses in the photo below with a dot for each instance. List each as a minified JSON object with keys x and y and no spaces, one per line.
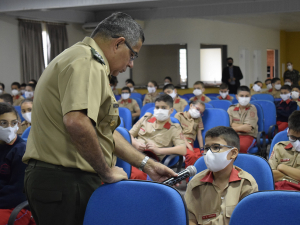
{"x":212,"y":194}
{"x":285,"y":157}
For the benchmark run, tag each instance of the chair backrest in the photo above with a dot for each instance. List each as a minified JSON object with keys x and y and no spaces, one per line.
{"x":136,"y":95}
{"x":281,"y":136}
{"x":174,"y":120}
{"x":260,"y":115}
{"x":151,"y":110}
{"x":118,"y":97}
{"x":121,"y":163}
{"x":210,"y":95}
{"x":257,"y":166}
{"x":138,"y":100}
{"x":26,"y":133}
{"x":267,"y":97}
{"x":268,"y":208}
{"x":269,"y":111}
{"x":221,"y":104}
{"x":213,"y":98}
{"x":145,"y":108}
{"x":122,"y":122}
{"x":136,"y":202}
{"x":126,"y":115}
{"x":188,"y":95}
{"x":277,"y":99}
{"x":18,"y":109}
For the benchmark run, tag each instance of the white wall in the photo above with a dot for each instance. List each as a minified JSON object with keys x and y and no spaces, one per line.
{"x":237,"y":37}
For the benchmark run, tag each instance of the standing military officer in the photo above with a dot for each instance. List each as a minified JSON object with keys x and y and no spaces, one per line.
{"x":72,"y":146}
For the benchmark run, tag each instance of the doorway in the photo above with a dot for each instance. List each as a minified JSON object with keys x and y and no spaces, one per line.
{"x":272,"y":63}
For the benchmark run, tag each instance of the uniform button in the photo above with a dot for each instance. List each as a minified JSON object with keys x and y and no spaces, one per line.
{"x":112,"y":123}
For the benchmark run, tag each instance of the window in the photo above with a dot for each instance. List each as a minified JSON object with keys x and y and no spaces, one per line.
{"x":182,"y":66}
{"x":46,"y":44}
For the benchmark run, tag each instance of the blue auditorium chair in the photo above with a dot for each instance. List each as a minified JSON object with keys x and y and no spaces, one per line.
{"x":136,"y":95}
{"x":118,"y":97}
{"x":145,"y":108}
{"x":136,"y":202}
{"x":221,"y":104}
{"x":277,"y":99}
{"x":126,"y":115}
{"x":18,"y":109}
{"x":255,"y":165}
{"x":210,"y":95}
{"x":121,"y":163}
{"x":188,"y":96}
{"x":263,"y":97}
{"x":213,"y":98}
{"x":233,"y":95}
{"x":268,"y":208}
{"x":26,"y":133}
{"x":281,"y":136}
{"x":138,"y":100}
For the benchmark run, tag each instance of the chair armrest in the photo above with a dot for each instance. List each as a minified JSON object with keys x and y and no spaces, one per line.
{"x":15,"y":212}
{"x":262,"y":146}
{"x":272,"y":128}
{"x":179,"y":164}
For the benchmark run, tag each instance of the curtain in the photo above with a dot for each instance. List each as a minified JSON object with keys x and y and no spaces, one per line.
{"x":32,"y":57}
{"x":58,"y":39}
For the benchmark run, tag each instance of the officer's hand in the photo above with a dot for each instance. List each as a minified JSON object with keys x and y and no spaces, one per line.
{"x":116,"y":174}
{"x":153,"y":148}
{"x":158,"y":172}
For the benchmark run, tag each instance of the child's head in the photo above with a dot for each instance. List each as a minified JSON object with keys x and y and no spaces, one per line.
{"x":127,"y":81}
{"x":6,"y":98}
{"x":29,"y":91}
{"x":294,"y":129}
{"x":15,"y":88}
{"x":197,"y":109}
{"x":113,"y":81}
{"x":168,"y":80}
{"x":257,"y":86}
{"x":223,"y":88}
{"x":152,"y":86}
{"x":221,"y":145}
{"x":26,"y":108}
{"x":295,"y":91}
{"x":23,"y":86}
{"x":8,"y":123}
{"x":198,"y":88}
{"x":285,"y":92}
{"x":243,"y":95}
{"x":288,"y":81}
{"x":276,"y":83}
{"x":163,"y":107}
{"x":125,"y":93}
{"x":2,"y":88}
{"x":130,"y":84}
{"x":268,"y":81}
{"x":33,"y":81}
{"x":289,"y":66}
{"x":170,"y":90}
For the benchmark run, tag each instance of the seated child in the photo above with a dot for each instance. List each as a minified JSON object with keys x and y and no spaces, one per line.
{"x":284,"y":108}
{"x":29,"y":91}
{"x":256,"y":89}
{"x":157,"y":134}
{"x":6,"y":98}
{"x":129,"y":103}
{"x":268,"y":83}
{"x":130,"y":84}
{"x":179,"y":103}
{"x":113,"y":84}
{"x":23,"y":87}
{"x":285,"y":157}
{"x":12,"y":169}
{"x":152,"y":92}
{"x":168,"y":80}
{"x":224,"y":93}
{"x":192,"y":126}
{"x":288,"y":81}
{"x":2,"y":88}
{"x":212,"y":194}
{"x":15,"y":92}
{"x":295,"y":94}
{"x":198,"y":92}
{"x":275,"y":90}
{"x":26,"y":108}
{"x":243,"y":119}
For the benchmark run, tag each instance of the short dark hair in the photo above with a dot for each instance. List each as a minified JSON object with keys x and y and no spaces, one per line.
{"x":34,"y":81}
{"x":258,"y":81}
{"x":296,"y":86}
{"x":199,"y":82}
{"x":126,"y":88}
{"x":195,"y":102}
{"x":23,"y":85}
{"x":243,"y":88}
{"x":7,"y":98}
{"x":17,"y":84}
{"x":274,"y":80}
{"x":130,"y":82}
{"x":7,"y":108}
{"x":120,"y":24}
{"x":169,"y":78}
{"x":168,"y":86}
{"x":229,"y":58}
{"x":165,"y":98}
{"x":113,"y":80}
{"x":31,"y":85}
{"x":154,"y":83}
{"x":3,"y":86}
{"x":26,"y":100}
{"x":227,"y":133}
{"x":287,"y":78}
{"x":268,"y":79}
{"x":286,"y":87}
{"x":223,"y":86}
{"x":294,"y":121}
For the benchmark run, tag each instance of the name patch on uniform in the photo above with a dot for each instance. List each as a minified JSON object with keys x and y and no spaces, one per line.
{"x":209,"y":216}
{"x":142,"y":129}
{"x":252,"y":114}
{"x":116,"y":106}
{"x":235,"y":119}
{"x":185,"y":125}
{"x":284,"y":160}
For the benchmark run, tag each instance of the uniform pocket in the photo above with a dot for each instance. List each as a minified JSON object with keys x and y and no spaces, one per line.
{"x":47,"y":196}
{"x":229,"y":210}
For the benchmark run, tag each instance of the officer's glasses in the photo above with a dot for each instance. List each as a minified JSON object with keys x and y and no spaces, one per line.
{"x":135,"y":54}
{"x":5,"y":123}
{"x":293,"y":138}
{"x":215,"y":148}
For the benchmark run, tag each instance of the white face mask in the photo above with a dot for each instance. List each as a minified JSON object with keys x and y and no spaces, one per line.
{"x":166,"y":83}
{"x":296,"y":145}
{"x":197,"y":92}
{"x":22,"y":92}
{"x":112,"y":87}
{"x":194,"y":113}
{"x":131,"y":89}
{"x":223,"y":95}
{"x":295,"y":95}
{"x":151,"y":89}
{"x":161,"y":114}
{"x":216,"y":161}
{"x":256,"y":88}
{"x":125,"y":96}
{"x":244,"y":100}
{"x":288,"y":83}
{"x":277,"y":87}
{"x":290,"y":67}
{"x":14,"y":92}
{"x":173,"y":94}
{"x":285,"y":96}
{"x":269,"y":86}
{"x":8,"y":134}
{"x":27,"y":116}
{"x":28,"y":94}
{"x":1,"y":92}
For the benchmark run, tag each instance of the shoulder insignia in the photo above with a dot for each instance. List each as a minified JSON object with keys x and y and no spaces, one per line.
{"x":97,"y":56}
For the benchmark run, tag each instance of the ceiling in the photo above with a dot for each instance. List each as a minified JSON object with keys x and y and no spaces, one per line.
{"x":274,"y":14}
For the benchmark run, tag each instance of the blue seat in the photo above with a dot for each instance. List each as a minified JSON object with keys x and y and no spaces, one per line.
{"x":268,"y":208}
{"x":277,"y":99}
{"x":174,"y":120}
{"x":118,"y":97}
{"x":136,"y":95}
{"x":143,"y":96}
{"x":151,"y":110}
{"x":145,"y":108}
{"x":121,"y":163}
{"x":234,"y":101}
{"x":188,"y":96}
{"x":212,"y":95}
{"x":233,"y":95}
{"x":126,"y":115}
{"x":281,"y":136}
{"x":26,"y":133}
{"x":18,"y":109}
{"x":267,"y":97}
{"x":122,"y":122}
{"x":221,"y":104}
{"x":138,"y":100}
{"x":257,"y":166}
{"x":136,"y":202}
{"x":213,"y":98}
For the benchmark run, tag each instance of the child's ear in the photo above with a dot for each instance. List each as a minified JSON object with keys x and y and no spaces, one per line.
{"x":234,"y":153}
{"x":171,"y":110}
{"x":203,"y":89}
{"x":175,"y":90}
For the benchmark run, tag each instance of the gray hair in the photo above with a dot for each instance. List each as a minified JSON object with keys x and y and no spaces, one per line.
{"x":120,"y":24}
